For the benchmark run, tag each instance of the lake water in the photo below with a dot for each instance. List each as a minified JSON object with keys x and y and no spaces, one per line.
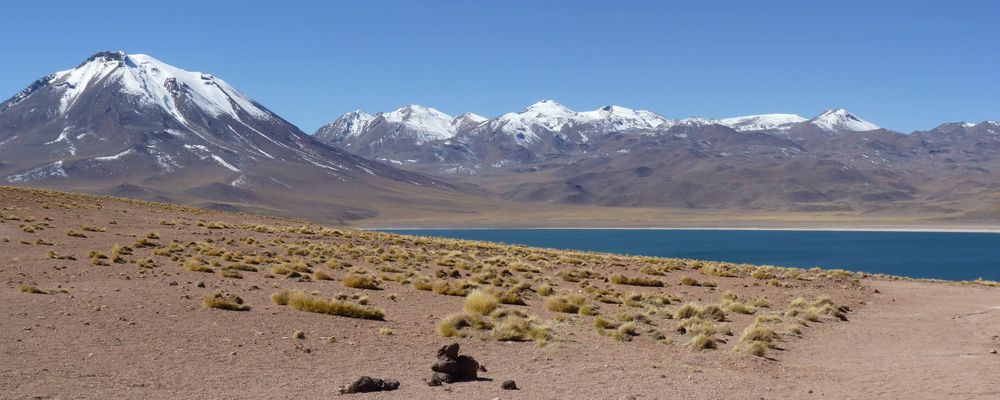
{"x":953,"y":256}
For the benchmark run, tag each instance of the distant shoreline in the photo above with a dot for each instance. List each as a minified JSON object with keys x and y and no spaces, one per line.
{"x":792,"y":229}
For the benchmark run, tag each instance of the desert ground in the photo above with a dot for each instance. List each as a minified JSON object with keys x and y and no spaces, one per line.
{"x":112,"y":298}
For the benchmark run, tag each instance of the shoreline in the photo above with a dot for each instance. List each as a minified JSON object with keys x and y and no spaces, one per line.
{"x":993,"y":230}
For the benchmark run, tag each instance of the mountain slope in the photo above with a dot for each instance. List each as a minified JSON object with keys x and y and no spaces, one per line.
{"x":129,"y":124}
{"x":615,"y":156}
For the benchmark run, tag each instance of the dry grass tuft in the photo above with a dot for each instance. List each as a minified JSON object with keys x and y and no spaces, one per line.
{"x":225,"y":301}
{"x":481,"y":302}
{"x":702,"y":342}
{"x":359,"y":281}
{"x":636,"y":281}
{"x":31,"y":289}
{"x":304,"y":302}
{"x":568,"y":303}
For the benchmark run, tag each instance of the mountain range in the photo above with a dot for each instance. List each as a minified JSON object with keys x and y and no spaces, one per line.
{"x":131,"y":125}
{"x":616,"y":156}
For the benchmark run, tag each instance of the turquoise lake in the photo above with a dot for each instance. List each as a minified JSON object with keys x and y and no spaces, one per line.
{"x":942,"y":255}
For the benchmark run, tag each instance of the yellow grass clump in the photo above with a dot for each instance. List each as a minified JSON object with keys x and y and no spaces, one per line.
{"x":481,"y":302}
{"x":359,"y":281}
{"x":569,"y":303}
{"x":304,"y":302}
{"x":636,"y":281}
{"x":225,"y":301}
{"x":31,"y":289}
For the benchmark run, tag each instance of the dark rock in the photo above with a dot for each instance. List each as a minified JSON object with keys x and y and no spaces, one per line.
{"x":445,"y":365}
{"x":508,"y":385}
{"x":367,"y":384}
{"x":468,"y":368}
{"x":442,"y":377}
{"x":448,"y":351}
{"x":451,"y":367}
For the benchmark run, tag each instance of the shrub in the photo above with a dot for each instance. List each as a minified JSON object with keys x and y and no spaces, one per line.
{"x":545,"y":289}
{"x":280,"y":298}
{"x":758,"y":349}
{"x":358,"y":281}
{"x":73,"y":233}
{"x":569,"y":304}
{"x":686,"y":311}
{"x":321,"y":276}
{"x":480,"y":302}
{"x":31,"y":289}
{"x":442,"y":287}
{"x":197,"y":265}
{"x":225,"y":301}
{"x":228,"y":273}
{"x":702,"y":342}
{"x":637,"y":281}
{"x":689,"y":281}
{"x":689,"y":310}
{"x":454,"y":325}
{"x":305,"y":302}
{"x":758,"y":333}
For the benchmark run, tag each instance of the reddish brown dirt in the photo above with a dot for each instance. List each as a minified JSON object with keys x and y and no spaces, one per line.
{"x":120,"y":331}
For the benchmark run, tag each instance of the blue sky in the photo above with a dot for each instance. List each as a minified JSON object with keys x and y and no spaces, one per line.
{"x":905,"y":65}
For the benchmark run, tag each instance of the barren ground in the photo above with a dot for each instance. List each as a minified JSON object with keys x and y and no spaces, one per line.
{"x":138,"y":328}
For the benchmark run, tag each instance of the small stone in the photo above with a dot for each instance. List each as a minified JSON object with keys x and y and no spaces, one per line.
{"x":993,"y":351}
{"x":201,"y":284}
{"x":508,"y":385}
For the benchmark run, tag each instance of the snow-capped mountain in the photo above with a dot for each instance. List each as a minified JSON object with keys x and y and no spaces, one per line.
{"x":617,"y":119}
{"x":347,"y":126}
{"x":763,"y":122}
{"x":466,"y":122}
{"x":841,"y":120}
{"x":131,"y":121}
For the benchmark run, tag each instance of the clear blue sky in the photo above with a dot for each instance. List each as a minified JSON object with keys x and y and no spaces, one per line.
{"x":902,"y":64}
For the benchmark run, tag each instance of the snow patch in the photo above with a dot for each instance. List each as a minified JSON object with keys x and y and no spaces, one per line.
{"x":114,"y":157}
{"x":762,"y":122}
{"x":54,"y":170}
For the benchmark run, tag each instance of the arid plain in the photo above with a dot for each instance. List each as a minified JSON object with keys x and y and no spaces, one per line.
{"x":114,"y":298}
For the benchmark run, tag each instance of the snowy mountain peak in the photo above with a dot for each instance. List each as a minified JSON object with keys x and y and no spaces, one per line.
{"x":422,"y":124}
{"x":348,"y":125}
{"x":762,"y":122}
{"x":153,"y":83}
{"x":467,"y":121}
{"x":548,"y":107}
{"x":841,"y":120}
{"x":618,"y":118}
{"x":471,"y":117}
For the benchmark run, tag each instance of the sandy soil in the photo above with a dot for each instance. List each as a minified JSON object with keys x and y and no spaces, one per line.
{"x":121,"y":331}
